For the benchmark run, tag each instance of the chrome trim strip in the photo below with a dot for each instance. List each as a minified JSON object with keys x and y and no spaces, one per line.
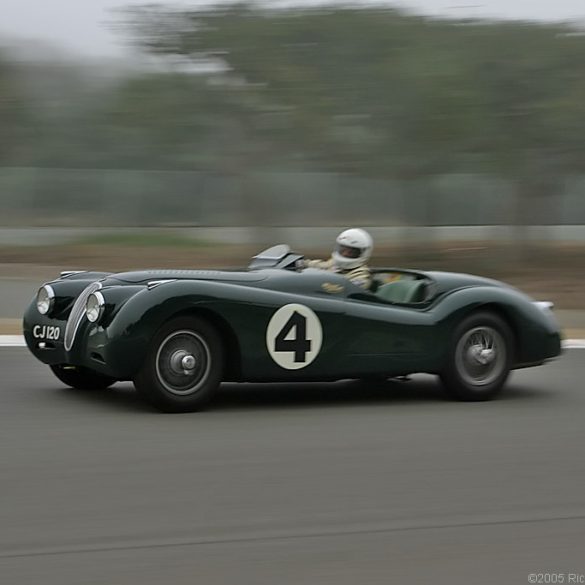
{"x":68,"y":273}
{"x":154,"y":283}
{"x":77,"y":313}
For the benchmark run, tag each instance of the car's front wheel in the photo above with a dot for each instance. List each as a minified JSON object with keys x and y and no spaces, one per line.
{"x":183,"y":366}
{"x":82,"y":378}
{"x":480,"y":358}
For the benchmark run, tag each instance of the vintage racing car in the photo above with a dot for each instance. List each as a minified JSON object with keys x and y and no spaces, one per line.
{"x":178,"y":333}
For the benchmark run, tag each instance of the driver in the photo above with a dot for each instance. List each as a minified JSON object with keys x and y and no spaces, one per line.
{"x":353,"y":248}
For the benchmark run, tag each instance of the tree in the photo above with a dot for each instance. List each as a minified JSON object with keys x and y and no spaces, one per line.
{"x":15,"y":115}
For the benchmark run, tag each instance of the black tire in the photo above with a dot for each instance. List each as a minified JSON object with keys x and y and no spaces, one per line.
{"x":183,"y":367}
{"x":82,"y":378}
{"x":480,"y":357}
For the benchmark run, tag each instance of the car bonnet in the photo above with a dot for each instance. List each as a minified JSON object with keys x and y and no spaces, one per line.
{"x":145,"y":276}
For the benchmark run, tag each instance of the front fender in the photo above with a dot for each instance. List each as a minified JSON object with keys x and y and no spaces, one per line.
{"x":123,"y":342}
{"x":244,"y":310}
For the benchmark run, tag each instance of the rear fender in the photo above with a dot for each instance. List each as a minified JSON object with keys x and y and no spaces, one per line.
{"x":536,"y":335}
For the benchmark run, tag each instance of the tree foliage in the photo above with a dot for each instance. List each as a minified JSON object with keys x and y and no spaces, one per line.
{"x":380,"y":91}
{"x":15,"y":116}
{"x":362,"y":90}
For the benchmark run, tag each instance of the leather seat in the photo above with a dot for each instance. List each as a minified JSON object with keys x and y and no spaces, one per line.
{"x":403,"y":291}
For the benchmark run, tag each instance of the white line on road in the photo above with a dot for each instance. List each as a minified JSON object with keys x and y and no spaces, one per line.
{"x":12,"y":341}
{"x":574,"y":344}
{"x":18,"y":341}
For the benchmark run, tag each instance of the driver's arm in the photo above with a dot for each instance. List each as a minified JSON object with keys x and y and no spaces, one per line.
{"x":360,"y":276}
{"x":321,"y":264}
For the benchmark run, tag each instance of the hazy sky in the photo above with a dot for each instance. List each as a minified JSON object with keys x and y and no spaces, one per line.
{"x":81,"y":25}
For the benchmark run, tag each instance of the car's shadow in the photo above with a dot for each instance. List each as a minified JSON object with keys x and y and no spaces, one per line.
{"x":121,"y":397}
{"x":308,"y":395}
{"x":249,"y":396}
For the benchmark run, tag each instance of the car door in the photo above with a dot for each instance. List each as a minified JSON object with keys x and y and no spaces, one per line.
{"x":385,"y":336}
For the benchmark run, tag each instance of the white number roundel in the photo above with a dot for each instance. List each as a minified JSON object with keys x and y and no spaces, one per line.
{"x":294,"y":336}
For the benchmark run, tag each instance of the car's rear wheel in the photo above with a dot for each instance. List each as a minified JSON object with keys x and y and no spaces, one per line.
{"x":82,"y":378}
{"x":480,"y":358}
{"x":183,"y":366}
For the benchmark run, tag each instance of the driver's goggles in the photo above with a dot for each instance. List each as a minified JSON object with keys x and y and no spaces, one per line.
{"x":348,"y":251}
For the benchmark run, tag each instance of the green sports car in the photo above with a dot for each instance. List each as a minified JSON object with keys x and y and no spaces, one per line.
{"x":177,"y":334}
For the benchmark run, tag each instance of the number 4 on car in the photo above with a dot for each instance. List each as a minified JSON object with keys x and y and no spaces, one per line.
{"x":299,"y":344}
{"x":177,"y":334}
{"x":294,"y":336}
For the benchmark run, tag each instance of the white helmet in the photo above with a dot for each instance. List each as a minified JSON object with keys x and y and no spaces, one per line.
{"x":353,"y":248}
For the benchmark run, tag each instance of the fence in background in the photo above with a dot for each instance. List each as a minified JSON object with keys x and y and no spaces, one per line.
{"x":300,"y":238}
{"x":106,"y":197}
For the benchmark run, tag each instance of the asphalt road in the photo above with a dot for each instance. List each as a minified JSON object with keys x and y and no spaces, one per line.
{"x":313,"y":484}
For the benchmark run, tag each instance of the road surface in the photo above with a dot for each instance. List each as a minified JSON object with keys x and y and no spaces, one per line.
{"x":282,"y":484}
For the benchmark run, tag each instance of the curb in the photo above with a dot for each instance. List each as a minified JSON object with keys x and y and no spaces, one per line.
{"x":12,"y":341}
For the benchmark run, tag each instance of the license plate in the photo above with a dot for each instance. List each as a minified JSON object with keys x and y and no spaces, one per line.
{"x":46,"y":332}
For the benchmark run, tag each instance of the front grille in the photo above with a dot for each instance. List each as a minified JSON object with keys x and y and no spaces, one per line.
{"x":78,"y":313}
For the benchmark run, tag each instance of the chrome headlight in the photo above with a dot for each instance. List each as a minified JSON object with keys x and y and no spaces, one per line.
{"x":45,"y":299}
{"x":94,"y":308}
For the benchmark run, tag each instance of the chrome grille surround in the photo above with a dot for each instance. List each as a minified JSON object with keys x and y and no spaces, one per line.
{"x":77,"y":313}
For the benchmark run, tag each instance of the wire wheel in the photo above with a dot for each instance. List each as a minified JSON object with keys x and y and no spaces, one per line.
{"x":183,"y":366}
{"x":183,"y":363}
{"x":480,"y":356}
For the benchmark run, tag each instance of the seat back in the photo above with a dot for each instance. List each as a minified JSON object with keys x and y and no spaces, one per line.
{"x":403,"y":291}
